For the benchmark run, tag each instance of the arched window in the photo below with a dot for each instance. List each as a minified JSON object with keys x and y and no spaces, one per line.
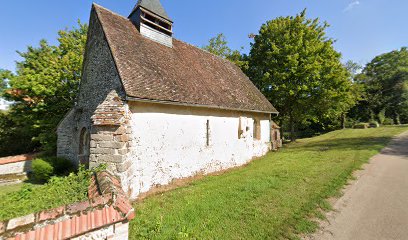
{"x":84,"y":142}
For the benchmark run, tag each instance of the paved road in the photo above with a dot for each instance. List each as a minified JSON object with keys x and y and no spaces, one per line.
{"x":375,"y":206}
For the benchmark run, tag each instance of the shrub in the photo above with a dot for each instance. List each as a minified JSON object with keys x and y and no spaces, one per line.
{"x":374,"y":124}
{"x":57,"y":192}
{"x":62,"y":166}
{"x":361,"y":126}
{"x":388,"y":121}
{"x":42,"y":170}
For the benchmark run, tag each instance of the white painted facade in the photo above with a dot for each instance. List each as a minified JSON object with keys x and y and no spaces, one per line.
{"x":170,"y":142}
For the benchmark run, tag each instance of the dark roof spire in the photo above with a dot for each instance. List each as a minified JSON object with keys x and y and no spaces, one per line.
{"x":154,"y":6}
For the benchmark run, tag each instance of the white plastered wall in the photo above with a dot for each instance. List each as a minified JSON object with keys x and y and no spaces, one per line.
{"x":170,"y":142}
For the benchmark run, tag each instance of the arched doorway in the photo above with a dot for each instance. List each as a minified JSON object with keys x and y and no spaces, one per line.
{"x":84,"y":145}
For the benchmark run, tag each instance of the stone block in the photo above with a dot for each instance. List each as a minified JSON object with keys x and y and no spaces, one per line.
{"x":111,"y":144}
{"x":101,"y":137}
{"x":103,"y":151}
{"x":123,"y":151}
{"x":121,"y":130}
{"x":110,"y":159}
{"x":93,"y":144}
{"x":21,"y":221}
{"x":122,"y":138}
{"x":122,"y":167}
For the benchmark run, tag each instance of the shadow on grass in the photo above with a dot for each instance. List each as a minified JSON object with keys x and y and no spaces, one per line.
{"x":394,"y":148}
{"x":344,"y":143}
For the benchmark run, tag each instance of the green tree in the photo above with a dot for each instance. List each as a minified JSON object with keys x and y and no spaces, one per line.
{"x":46,"y":83}
{"x":218,"y":45}
{"x":299,"y":71}
{"x":386,"y":82}
{"x":357,"y":89}
{"x":5,"y":76}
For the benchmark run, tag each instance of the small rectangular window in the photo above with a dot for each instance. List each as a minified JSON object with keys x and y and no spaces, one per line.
{"x":208,"y":133}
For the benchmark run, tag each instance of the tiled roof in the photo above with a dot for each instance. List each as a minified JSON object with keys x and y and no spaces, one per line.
{"x":183,"y":74}
{"x":107,"y":205}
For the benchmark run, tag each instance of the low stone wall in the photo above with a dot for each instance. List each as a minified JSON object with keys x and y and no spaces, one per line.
{"x":105,"y":215}
{"x":16,"y":164}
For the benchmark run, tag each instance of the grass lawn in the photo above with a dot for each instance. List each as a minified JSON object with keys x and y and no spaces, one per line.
{"x":8,"y":189}
{"x":271,"y":198}
{"x":4,"y":190}
{"x":23,"y":199}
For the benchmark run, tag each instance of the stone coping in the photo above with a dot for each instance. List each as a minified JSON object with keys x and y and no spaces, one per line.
{"x":107,"y":205}
{"x":18,"y":158}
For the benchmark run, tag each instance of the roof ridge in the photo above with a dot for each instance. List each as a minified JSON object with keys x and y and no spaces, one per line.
{"x":117,"y":14}
{"x":104,"y":8}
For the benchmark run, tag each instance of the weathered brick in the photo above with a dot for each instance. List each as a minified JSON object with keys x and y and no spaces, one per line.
{"x":50,"y":214}
{"x":121,"y":130}
{"x":122,"y":138}
{"x":111,"y":144}
{"x":78,"y":207}
{"x":21,"y":221}
{"x":101,"y":137}
{"x":111,"y":158}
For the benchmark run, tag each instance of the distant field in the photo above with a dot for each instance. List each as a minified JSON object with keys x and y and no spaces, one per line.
{"x":272,"y":198}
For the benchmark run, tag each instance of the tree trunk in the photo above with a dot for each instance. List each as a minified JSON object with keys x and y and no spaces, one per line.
{"x":343,"y":121}
{"x":292,"y":128}
{"x":397,"y":120}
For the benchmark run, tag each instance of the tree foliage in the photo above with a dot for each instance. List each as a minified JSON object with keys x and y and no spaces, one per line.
{"x":299,"y":71}
{"x":218,"y":45}
{"x":45,"y":85}
{"x":385,"y":80}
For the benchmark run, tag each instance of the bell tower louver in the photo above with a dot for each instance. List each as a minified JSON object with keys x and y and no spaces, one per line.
{"x":153,"y":22}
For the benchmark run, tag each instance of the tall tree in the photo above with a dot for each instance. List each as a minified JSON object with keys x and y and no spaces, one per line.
{"x":299,"y":71}
{"x":386,"y":82}
{"x":357,"y":89}
{"x":46,"y":83}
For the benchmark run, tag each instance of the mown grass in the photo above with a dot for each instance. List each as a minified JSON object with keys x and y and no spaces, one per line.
{"x":272,"y":198}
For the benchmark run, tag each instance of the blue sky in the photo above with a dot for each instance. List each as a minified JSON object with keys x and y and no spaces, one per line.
{"x":362,"y":28}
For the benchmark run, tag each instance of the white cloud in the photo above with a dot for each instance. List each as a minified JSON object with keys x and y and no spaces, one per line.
{"x":352,"y":5}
